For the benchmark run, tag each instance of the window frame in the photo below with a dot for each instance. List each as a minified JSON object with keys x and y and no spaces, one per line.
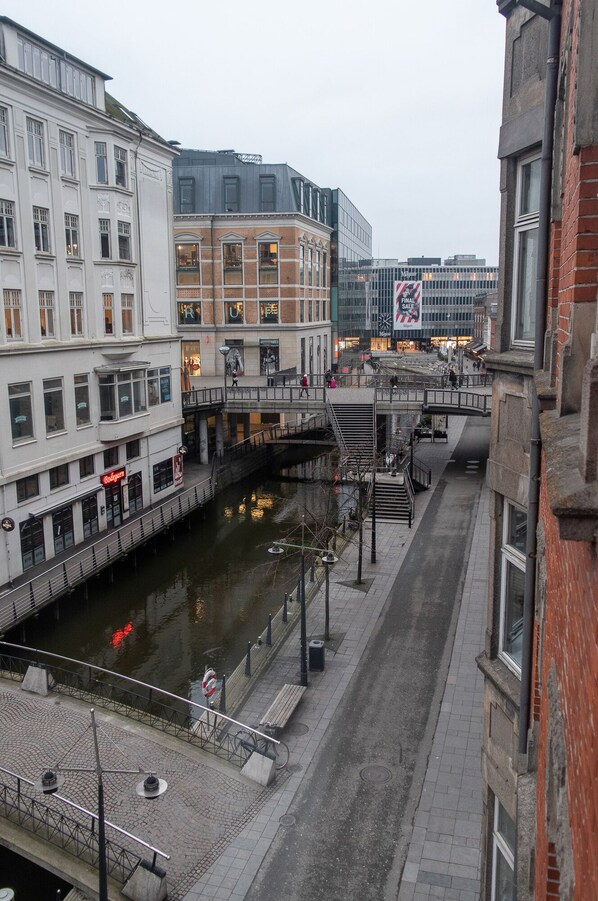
{"x":68,"y":156}
{"x":124,"y":240}
{"x":71,"y":234}
{"x":7,"y":224}
{"x":267,"y":183}
{"x":186,"y":205}
{"x":231,"y":205}
{"x":184,"y":251}
{"x":163,"y":475}
{"x":127,"y":314}
{"x":13,"y":314}
{"x":46,"y":319}
{"x":265,"y":270}
{"x":512,"y":559}
{"x":4,"y":133}
{"x":120,"y":167}
{"x":98,"y":147}
{"x":524,"y":225}
{"x":189,"y":312}
{"x":36,"y":147}
{"x":41,"y":229}
{"x":115,"y":405}
{"x":108,"y":314}
{"x":53,"y":390}
{"x":82,"y":399}
{"x":59,"y":476}
{"x":269,"y":318}
{"x":76,"y":314}
{"x":105,"y":239}
{"x":27,"y":488}
{"x":232,"y":265}
{"x":500,"y":845}
{"x":234,"y":312}
{"x":87,"y":466}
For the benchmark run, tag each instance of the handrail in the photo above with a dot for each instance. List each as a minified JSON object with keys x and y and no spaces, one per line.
{"x":198,"y":397}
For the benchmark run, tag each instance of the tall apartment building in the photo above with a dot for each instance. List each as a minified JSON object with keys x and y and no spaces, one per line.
{"x":89,"y":356}
{"x":540,"y":663}
{"x":253,"y":253}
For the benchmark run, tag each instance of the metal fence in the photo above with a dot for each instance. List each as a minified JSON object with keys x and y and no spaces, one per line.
{"x":202,"y":397}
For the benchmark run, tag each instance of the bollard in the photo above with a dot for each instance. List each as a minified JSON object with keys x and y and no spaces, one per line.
{"x":285,"y":616}
{"x":222,"y":704}
{"x":269,"y":632}
{"x":344,"y":524}
{"x":248,"y":660}
{"x":312,"y":572}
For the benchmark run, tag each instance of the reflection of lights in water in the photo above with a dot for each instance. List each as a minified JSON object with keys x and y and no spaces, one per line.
{"x":229,"y":512}
{"x":256,"y":513}
{"x":265,"y":503}
{"x":254,"y":497}
{"x":200,"y":610}
{"x":119,"y":636}
{"x":242,"y":508}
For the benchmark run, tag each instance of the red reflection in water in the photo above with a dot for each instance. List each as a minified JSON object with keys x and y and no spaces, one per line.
{"x":119,"y":636}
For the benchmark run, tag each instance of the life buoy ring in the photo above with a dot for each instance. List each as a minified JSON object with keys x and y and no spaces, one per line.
{"x":208,"y":685}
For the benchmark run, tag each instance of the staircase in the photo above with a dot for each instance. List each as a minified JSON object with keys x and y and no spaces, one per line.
{"x":354,"y":425}
{"x":395,"y":498}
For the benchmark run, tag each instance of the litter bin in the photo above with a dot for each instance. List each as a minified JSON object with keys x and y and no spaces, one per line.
{"x":316,"y":655}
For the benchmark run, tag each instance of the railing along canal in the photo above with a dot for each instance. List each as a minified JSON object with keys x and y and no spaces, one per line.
{"x":77,"y":833}
{"x":19,"y":603}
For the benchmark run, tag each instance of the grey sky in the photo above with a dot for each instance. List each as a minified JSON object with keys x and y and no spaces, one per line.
{"x":397,"y":102}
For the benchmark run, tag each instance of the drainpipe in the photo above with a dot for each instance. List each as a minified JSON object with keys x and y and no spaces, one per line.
{"x":553,"y":13}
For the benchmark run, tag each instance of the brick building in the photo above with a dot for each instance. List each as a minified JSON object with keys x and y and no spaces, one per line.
{"x":540,"y":751}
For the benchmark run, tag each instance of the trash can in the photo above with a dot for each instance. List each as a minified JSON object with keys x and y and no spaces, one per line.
{"x":316,"y":655}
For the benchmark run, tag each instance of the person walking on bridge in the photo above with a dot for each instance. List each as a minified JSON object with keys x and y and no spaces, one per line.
{"x":304,"y":385}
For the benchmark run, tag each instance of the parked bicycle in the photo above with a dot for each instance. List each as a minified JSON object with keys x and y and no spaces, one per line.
{"x":247,"y":742}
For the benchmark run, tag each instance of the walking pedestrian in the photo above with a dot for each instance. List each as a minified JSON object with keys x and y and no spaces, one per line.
{"x":452,"y":376}
{"x":304,"y":385}
{"x":328,"y":376}
{"x":235,"y":383}
{"x":332,"y":382}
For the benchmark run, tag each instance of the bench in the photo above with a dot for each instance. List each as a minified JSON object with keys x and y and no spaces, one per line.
{"x":282,"y":707}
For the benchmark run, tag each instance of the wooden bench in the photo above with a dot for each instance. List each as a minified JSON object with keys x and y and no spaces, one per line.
{"x":282,"y":707}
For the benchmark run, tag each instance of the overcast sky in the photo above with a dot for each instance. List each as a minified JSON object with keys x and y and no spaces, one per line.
{"x":396,"y":102}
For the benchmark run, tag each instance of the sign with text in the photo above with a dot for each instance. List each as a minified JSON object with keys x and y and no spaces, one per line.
{"x":407,"y":306}
{"x":113,"y":478}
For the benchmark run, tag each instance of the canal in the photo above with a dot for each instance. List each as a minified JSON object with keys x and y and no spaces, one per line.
{"x":198,"y":600}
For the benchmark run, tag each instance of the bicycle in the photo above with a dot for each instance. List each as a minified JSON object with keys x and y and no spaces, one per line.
{"x":246,"y":743}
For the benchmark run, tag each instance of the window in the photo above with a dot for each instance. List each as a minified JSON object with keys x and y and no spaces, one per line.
{"x":186,"y":195}
{"x":158,"y":386}
{"x":86,"y":466}
{"x":120,"y":167}
{"x":62,"y":528}
{"x":189,"y":313}
{"x":127,"y":312}
{"x":108,"y":307}
{"x":187,"y":264}
{"x":7,"y":223}
{"x":269,"y":312}
{"x":301,"y":264}
{"x":12,"y":314}
{"x":231,"y":195}
{"x":122,"y":394}
{"x":317,"y":268}
{"x":104,"y":226}
{"x":21,"y":420}
{"x":111,"y":457}
{"x":82,"y":410}
{"x":59,"y":476}
{"x":310,"y":266}
{"x":43,"y":65}
{"x":35,"y":143}
{"x":512,"y":585}
{"x":89,"y":510}
{"x":32,"y":543}
{"x":46,"y":314}
{"x":135,"y":492}
{"x":3,"y":131}
{"x":76,"y":313}
{"x":101,"y":163}
{"x":267,"y":194}
{"x":133,"y":449}
{"x":233,"y":312}
{"x":525,"y":251}
{"x":53,"y":405}
{"x":67,"y":153}
{"x":163,"y":475}
{"x":27,"y":488}
{"x":503,"y":854}
{"x":71,"y":232}
{"x":268,"y":263}
{"x":232,"y":263}
{"x":41,"y":232}
{"x":124,"y":241}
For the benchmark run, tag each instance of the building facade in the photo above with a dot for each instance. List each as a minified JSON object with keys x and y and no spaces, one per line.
{"x":540,"y":663}
{"x":351,"y":297}
{"x":89,"y":358}
{"x":253,"y":256}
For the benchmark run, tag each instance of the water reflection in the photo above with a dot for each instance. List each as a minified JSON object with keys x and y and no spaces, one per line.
{"x":203,"y":597}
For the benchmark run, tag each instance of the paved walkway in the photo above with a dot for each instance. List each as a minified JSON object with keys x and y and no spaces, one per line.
{"x":443,"y":857}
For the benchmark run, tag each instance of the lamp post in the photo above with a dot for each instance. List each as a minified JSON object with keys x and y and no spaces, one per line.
{"x":328,"y":558}
{"x":151,"y":787}
{"x":224,"y":350}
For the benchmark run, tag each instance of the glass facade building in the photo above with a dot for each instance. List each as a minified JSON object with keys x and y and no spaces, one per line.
{"x":351,"y":265}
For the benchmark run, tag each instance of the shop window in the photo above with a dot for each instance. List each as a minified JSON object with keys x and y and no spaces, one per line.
{"x":32,"y":543}
{"x":233,"y":312}
{"x":269,"y":312}
{"x":187,"y":265}
{"x":189,"y":313}
{"x":163,"y":475}
{"x":89,"y":510}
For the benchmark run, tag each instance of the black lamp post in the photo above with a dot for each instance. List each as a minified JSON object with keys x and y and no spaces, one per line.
{"x":224,"y":350}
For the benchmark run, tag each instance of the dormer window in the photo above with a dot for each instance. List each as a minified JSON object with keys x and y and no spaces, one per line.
{"x":41,"y":64}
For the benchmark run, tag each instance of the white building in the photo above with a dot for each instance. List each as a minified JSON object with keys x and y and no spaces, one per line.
{"x":89,"y":357}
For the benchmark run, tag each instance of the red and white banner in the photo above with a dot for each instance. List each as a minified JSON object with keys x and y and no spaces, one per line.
{"x":407,"y":307}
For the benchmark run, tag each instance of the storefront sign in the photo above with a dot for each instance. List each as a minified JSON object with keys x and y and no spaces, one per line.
{"x":113,"y":478}
{"x":8,"y":524}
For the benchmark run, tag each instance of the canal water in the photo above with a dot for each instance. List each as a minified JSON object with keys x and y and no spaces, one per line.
{"x":199,"y":600}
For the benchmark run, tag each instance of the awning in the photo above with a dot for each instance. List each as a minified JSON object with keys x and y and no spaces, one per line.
{"x":65,"y":503}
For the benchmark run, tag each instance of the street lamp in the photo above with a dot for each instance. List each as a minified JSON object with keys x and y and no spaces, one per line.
{"x":224,"y":350}
{"x":328,"y":559}
{"x":151,"y":787}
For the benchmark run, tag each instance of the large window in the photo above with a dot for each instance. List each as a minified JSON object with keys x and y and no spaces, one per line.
{"x":189,"y":312}
{"x":53,"y":405}
{"x":7,"y":223}
{"x":233,"y":312}
{"x":268,"y":312}
{"x":268,"y":263}
{"x":503,"y":855}
{"x":21,"y":419}
{"x":231,"y":195}
{"x":122,"y":394}
{"x":89,"y":510}
{"x":59,"y":476}
{"x":186,"y":195}
{"x":124,"y":241}
{"x":525,"y":250}
{"x":159,"y":386}
{"x":62,"y":528}
{"x":232,"y":263}
{"x":101,"y":163}
{"x":35,"y":143}
{"x":67,"y":153}
{"x":120,"y":167}
{"x":267,"y":194}
{"x":187,"y":264}
{"x":46,"y":314}
{"x":12,"y":314}
{"x":41,"y":229}
{"x":76,"y":313}
{"x":163,"y":475}
{"x":512,"y":585}
{"x":27,"y":488}
{"x":45,"y":66}
{"x":108,"y":307}
{"x":4,"y":147}
{"x":127,"y":313}
{"x":104,"y":227}
{"x":82,"y":410}
{"x":32,"y":543}
{"x":71,"y":233}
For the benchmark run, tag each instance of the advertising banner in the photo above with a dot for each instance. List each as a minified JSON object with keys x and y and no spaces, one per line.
{"x":407,"y":307}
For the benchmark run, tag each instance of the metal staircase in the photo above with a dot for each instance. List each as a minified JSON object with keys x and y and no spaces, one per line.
{"x":354,"y":425}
